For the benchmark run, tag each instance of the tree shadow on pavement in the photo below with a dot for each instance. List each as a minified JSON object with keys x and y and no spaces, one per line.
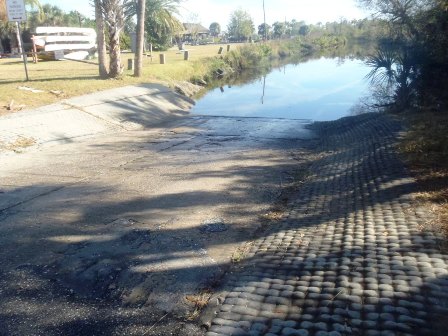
{"x":347,"y":256}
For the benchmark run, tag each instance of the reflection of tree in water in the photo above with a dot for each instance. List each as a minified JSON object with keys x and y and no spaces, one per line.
{"x":248,"y":76}
{"x":259,"y":74}
{"x":264,"y":89}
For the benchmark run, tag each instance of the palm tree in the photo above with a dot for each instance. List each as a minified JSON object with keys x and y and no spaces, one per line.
{"x":101,"y":41}
{"x":395,"y":71}
{"x":114,"y":14}
{"x":158,"y":14}
{"x":160,"y":22}
{"x":140,"y":37}
{"x":54,"y":16}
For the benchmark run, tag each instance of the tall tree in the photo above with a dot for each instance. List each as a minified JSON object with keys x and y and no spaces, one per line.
{"x":114,"y":17}
{"x":101,"y":41}
{"x":264,"y":30}
{"x":399,"y":13}
{"x":279,"y":29}
{"x":295,"y":26}
{"x":215,"y":29}
{"x":241,"y":25}
{"x":304,"y":30}
{"x":53,"y":16}
{"x":140,"y":37}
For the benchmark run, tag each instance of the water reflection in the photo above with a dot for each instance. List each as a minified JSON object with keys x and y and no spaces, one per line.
{"x":264,"y":89}
{"x":322,"y":89}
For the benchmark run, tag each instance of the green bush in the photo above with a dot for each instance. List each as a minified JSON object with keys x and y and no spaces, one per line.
{"x":125,"y":41}
{"x":260,"y":55}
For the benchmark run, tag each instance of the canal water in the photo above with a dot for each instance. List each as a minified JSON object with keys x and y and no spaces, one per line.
{"x":317,"y":90}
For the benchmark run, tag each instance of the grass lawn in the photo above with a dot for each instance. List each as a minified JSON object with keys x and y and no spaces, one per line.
{"x":77,"y":78}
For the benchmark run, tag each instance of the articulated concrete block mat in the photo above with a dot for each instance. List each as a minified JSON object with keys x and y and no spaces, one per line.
{"x":349,"y":257}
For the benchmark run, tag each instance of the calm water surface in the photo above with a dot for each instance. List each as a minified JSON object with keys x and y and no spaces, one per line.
{"x":323,"y":89}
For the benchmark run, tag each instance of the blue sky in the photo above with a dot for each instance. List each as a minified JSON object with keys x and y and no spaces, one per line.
{"x":311,"y":11}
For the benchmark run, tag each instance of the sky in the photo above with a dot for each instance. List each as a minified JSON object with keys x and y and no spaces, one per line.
{"x":208,"y":11}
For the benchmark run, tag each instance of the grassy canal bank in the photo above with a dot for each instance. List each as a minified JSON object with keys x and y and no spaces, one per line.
{"x":65,"y":79}
{"x":52,"y":81}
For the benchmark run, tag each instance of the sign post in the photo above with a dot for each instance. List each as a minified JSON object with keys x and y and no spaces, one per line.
{"x":17,"y":13}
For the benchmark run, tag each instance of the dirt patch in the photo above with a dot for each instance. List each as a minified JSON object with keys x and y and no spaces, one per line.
{"x":18,"y":144}
{"x":10,"y":107}
{"x":187,"y":89}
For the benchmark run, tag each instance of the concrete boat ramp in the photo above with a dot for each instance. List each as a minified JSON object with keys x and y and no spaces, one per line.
{"x":121,"y":214}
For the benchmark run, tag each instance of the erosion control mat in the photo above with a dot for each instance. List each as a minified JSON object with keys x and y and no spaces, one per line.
{"x":350,"y":256}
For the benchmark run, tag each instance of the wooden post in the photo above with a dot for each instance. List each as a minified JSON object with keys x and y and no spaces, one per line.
{"x":35,"y":60}
{"x":186,"y":55}
{"x":130,"y":64}
{"x":162,"y":59}
{"x":228,"y":47}
{"x":220,"y":50}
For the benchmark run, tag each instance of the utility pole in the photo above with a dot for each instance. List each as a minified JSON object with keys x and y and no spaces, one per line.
{"x":265,"y":28}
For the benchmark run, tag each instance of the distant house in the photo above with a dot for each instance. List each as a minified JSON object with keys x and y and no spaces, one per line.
{"x":194,"y":32}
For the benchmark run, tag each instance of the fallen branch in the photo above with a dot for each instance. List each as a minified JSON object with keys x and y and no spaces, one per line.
{"x":152,"y":327}
{"x":27,"y":88}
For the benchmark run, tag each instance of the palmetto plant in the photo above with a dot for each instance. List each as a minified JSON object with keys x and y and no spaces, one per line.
{"x":383,"y":66}
{"x":395,"y":71}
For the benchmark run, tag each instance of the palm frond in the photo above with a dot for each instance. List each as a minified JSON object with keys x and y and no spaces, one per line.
{"x":383,"y":66}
